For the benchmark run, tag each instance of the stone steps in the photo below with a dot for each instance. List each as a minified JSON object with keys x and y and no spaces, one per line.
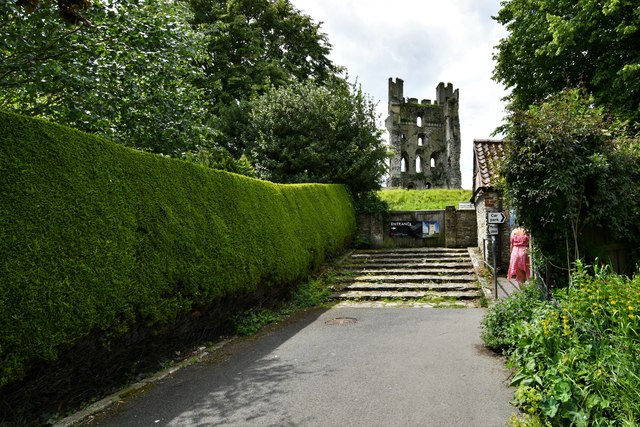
{"x":408,"y":271}
{"x":429,"y":286}
{"x":405,"y":295}
{"x":412,"y":278}
{"x":425,"y":275}
{"x":412,"y":259}
{"x":414,"y":250}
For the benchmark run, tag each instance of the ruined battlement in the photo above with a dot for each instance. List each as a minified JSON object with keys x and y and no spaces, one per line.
{"x":443,"y":94}
{"x":425,"y":136}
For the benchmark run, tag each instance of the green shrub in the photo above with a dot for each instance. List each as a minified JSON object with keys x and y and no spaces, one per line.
{"x":96,"y":238}
{"x":526,"y":421}
{"x":501,"y":326}
{"x":577,"y":359}
{"x":371,"y":203}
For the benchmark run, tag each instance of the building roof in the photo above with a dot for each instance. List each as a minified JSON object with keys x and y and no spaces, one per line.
{"x":487,"y":153}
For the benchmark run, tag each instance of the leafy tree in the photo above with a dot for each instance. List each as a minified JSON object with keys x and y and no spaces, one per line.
{"x":556,"y":44}
{"x":568,"y":168}
{"x":310,"y":133}
{"x":127,"y":77}
{"x":252,"y":46}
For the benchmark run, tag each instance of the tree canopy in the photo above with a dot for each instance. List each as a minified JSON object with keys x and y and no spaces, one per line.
{"x":569,"y":169}
{"x":251,"y":45}
{"x":127,"y":77}
{"x":197,"y":79}
{"x":309,"y":133}
{"x":558,"y":44}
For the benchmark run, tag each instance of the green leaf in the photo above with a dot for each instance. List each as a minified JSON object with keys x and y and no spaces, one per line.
{"x":562,"y":391}
{"x":549,"y":407}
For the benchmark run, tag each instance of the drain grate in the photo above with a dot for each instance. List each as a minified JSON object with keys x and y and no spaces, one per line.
{"x":341,"y":321}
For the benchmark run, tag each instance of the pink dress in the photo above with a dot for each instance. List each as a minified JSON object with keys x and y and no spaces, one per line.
{"x":519,"y":255}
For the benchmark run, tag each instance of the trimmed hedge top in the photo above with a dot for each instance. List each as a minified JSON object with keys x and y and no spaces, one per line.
{"x":95,"y":237}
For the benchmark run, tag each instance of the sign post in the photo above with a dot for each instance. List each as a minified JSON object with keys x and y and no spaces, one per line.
{"x":495,"y":217}
{"x":495,"y":272}
{"x":493,"y":229}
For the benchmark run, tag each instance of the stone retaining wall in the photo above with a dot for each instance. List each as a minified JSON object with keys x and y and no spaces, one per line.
{"x":455,"y":229}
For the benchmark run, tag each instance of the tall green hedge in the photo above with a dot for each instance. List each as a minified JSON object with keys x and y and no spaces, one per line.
{"x":95,"y":237}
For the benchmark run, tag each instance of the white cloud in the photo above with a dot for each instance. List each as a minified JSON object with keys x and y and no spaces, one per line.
{"x":423,"y":42}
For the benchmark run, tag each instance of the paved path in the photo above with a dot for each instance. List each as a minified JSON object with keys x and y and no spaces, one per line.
{"x":392,"y":367}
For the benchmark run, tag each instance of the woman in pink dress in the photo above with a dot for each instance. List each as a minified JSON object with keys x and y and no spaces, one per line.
{"x":519,"y":264}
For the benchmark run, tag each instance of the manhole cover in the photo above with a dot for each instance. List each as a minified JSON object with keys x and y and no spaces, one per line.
{"x":341,"y":321}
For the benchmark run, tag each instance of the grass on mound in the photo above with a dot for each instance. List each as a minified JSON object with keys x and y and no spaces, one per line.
{"x":411,"y":200}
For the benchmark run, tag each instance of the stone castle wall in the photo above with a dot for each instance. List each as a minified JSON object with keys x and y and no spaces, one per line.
{"x":425,"y":136}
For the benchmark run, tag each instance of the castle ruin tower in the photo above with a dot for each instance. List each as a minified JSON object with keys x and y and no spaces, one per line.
{"x":425,"y":137}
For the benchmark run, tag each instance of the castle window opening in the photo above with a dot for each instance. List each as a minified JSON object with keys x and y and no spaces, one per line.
{"x":420,"y":141}
{"x":419,"y":121}
{"x":433,"y":161}
{"x":403,"y":165}
{"x":418,"y":164}
{"x":427,"y":185}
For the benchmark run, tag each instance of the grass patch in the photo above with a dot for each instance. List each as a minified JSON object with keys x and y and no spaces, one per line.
{"x":483,"y":301}
{"x":411,"y":200}
{"x":312,"y":293}
{"x":435,"y":300}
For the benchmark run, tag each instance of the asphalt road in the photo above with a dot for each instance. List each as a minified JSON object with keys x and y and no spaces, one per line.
{"x":392,"y":367}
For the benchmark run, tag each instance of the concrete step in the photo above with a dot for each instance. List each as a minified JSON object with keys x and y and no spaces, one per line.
{"x":412,"y":250}
{"x":436,"y":263}
{"x":410,"y":255}
{"x":405,"y":259}
{"x":403,"y":270}
{"x":381,"y":295}
{"x":403,"y":286}
{"x":413,"y":278}
{"x":416,"y":250}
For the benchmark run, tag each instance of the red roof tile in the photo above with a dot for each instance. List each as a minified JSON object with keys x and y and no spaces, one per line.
{"x":487,"y":153}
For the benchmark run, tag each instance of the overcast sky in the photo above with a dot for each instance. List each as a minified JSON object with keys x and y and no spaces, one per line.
{"x":423,"y":42}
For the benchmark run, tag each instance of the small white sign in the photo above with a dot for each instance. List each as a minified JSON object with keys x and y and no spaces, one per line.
{"x":493,"y":229}
{"x":495,"y":217}
{"x":465,"y":206}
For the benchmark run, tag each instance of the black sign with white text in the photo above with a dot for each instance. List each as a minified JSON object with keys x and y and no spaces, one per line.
{"x":419,"y":229}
